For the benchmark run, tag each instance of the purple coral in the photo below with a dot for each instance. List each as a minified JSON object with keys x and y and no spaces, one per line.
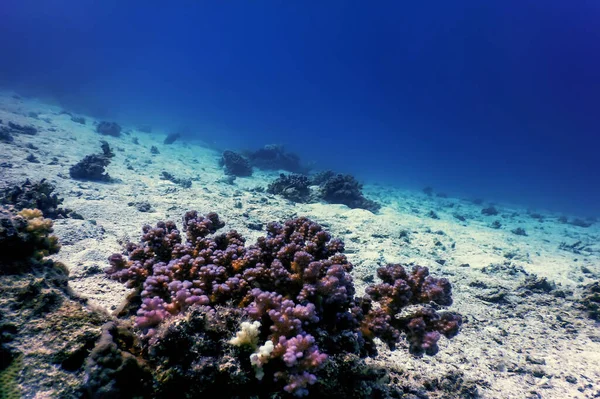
{"x":295,"y":281}
{"x":424,"y":326}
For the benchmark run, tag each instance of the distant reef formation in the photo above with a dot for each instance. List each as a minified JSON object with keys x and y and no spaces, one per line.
{"x":274,"y":157}
{"x":235,"y":164}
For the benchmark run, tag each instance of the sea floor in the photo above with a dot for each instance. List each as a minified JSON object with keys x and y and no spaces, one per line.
{"x":525,"y":334}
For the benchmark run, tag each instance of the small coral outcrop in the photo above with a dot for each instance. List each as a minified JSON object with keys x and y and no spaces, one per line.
{"x":108,"y":129}
{"x":292,"y":187}
{"x":93,"y":167}
{"x":235,"y":164}
{"x":344,"y":189}
{"x":38,"y":195}
{"x":273,"y":318}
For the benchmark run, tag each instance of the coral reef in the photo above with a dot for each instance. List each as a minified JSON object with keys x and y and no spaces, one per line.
{"x":37,"y":195}
{"x":235,"y":164}
{"x":92,"y":167}
{"x":292,"y":187}
{"x":345,"y":189}
{"x":269,"y":317}
{"x":108,"y":129}
{"x":274,"y":157}
{"x":171,"y":137}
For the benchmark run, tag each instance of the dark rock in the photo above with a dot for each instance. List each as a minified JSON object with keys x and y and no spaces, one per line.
{"x":490,"y":211}
{"x":459,"y":217}
{"x":109,"y":129}
{"x":170,"y":139}
{"x":255,"y":226}
{"x":580,"y":223}
{"x":5,"y":135}
{"x":519,"y":231}
{"x":24,"y":129}
{"x":143,"y":206}
{"x":154,"y":150}
{"x":185,"y":183}
{"x":540,"y":285}
{"x":32,"y":158}
{"x":496,"y":224}
{"x":433,"y":215}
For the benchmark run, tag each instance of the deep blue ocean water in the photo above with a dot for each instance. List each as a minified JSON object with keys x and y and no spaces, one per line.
{"x":499,"y":99}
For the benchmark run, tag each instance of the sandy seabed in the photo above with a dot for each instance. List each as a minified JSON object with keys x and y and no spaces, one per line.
{"x":520,"y":338}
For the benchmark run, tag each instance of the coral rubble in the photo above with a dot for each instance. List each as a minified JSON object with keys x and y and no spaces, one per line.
{"x":216,"y":316}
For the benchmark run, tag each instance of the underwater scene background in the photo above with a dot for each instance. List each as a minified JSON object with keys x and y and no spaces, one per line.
{"x":297,"y":199}
{"x":496,"y":100}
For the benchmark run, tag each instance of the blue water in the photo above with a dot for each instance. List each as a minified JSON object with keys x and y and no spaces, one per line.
{"x":499,"y":100}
